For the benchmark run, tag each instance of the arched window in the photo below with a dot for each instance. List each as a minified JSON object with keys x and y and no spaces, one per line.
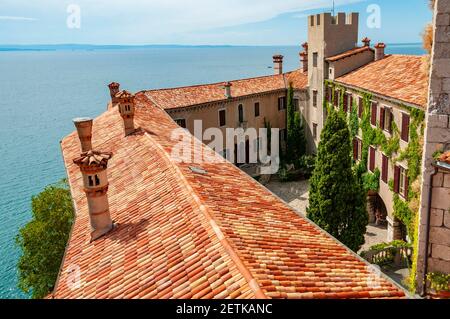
{"x":97,"y":180}
{"x":241,"y":113}
{"x":91,"y":181}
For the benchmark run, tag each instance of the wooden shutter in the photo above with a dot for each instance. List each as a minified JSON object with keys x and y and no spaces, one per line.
{"x":396,"y":179}
{"x":373,"y":119}
{"x":355,"y":149}
{"x":345,"y":102}
{"x":384,"y":169}
{"x":406,"y":185}
{"x":382,"y":111}
{"x":405,"y":127}
{"x":360,"y":107}
{"x":372,"y":159}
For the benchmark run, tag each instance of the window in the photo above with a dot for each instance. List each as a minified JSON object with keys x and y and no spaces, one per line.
{"x":93,"y":180}
{"x":181,"y":123}
{"x":256,"y":109}
{"x":315,"y":98}
{"x":241,"y":113}
{"x":384,"y":168}
{"x":372,"y":159}
{"x":350,"y":102}
{"x":357,"y":149}
{"x":329,"y":93}
{"x":386,"y":119}
{"x":405,"y":127}
{"x":281,"y":103}
{"x":315,"y":59}
{"x":296,"y":105}
{"x":90,"y":181}
{"x":401,"y":181}
{"x":222,"y":118}
{"x":373,"y":118}
{"x":311,"y":18}
{"x":318,"y":19}
{"x":315,"y":131}
{"x":97,"y":180}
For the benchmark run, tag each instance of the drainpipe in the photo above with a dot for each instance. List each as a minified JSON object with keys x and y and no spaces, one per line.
{"x":427,"y":237}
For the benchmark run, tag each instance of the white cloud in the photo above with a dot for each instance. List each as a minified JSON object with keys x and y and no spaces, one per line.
{"x":12,"y":18}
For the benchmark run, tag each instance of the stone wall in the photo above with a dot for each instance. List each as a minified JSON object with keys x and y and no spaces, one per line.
{"x":437,"y":138}
{"x":439,"y":236}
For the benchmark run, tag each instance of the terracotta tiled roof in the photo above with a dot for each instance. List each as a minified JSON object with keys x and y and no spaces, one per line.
{"x":445,"y":158}
{"x":348,"y":53}
{"x":400,"y":77}
{"x":182,"y":234}
{"x":199,"y":94}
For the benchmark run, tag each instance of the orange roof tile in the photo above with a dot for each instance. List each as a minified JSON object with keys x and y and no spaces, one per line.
{"x":349,"y":53}
{"x":402,"y":77}
{"x":199,"y":94}
{"x":182,"y":234}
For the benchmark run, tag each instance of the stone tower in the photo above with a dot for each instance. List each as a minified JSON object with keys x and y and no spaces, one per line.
{"x":93,"y":166}
{"x":434,"y":215}
{"x":126,"y":109}
{"x":327,"y":36}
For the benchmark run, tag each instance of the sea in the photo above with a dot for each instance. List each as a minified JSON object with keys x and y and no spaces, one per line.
{"x":42,"y":88}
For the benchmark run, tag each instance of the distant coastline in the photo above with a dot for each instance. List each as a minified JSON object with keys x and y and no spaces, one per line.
{"x":94,"y":47}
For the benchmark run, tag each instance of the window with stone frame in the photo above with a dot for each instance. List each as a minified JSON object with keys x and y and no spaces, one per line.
{"x":315,"y":93}
{"x":257,"y":111}
{"x":315,"y":59}
{"x":401,"y":182}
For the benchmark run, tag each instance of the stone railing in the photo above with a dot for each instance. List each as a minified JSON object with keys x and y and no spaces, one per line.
{"x":391,"y":255}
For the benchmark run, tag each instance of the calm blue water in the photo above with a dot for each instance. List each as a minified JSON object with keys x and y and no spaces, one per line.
{"x":41,"y":91}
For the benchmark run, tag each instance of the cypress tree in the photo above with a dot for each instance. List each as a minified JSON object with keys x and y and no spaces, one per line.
{"x":296,"y":142}
{"x":336,"y":199}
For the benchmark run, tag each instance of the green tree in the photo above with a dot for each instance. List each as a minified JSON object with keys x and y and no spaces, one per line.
{"x":337,"y":199}
{"x":43,"y":239}
{"x":296,"y":141}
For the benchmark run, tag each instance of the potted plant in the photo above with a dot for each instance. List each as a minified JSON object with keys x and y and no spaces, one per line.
{"x":440,"y":285}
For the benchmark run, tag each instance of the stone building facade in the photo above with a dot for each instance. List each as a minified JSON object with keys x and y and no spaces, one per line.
{"x":434,"y":222}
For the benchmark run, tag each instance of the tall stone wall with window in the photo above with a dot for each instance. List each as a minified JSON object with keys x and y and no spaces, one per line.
{"x":434,"y":227}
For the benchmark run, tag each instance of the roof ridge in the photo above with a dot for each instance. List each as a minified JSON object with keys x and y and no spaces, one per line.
{"x":253,"y":284}
{"x":220,"y":82}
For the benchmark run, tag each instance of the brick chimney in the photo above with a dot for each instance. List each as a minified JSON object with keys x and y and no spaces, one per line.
{"x":379,"y":51}
{"x":126,"y":109}
{"x":93,"y":166}
{"x":304,"y":57}
{"x":366,"y":42}
{"x":227,"y":87}
{"x":278,"y":64}
{"x":84,"y":129}
{"x":113,"y":90}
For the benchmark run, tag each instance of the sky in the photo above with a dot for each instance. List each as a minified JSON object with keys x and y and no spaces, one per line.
{"x":199,"y":22}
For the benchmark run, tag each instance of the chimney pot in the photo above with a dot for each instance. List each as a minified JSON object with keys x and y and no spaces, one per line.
{"x":113,"y":90}
{"x":278,"y":63}
{"x":93,"y":166}
{"x":126,"y":109}
{"x":366,"y":42}
{"x":84,"y":129}
{"x":227,"y":87}
{"x":379,"y":51}
{"x":304,"y":61}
